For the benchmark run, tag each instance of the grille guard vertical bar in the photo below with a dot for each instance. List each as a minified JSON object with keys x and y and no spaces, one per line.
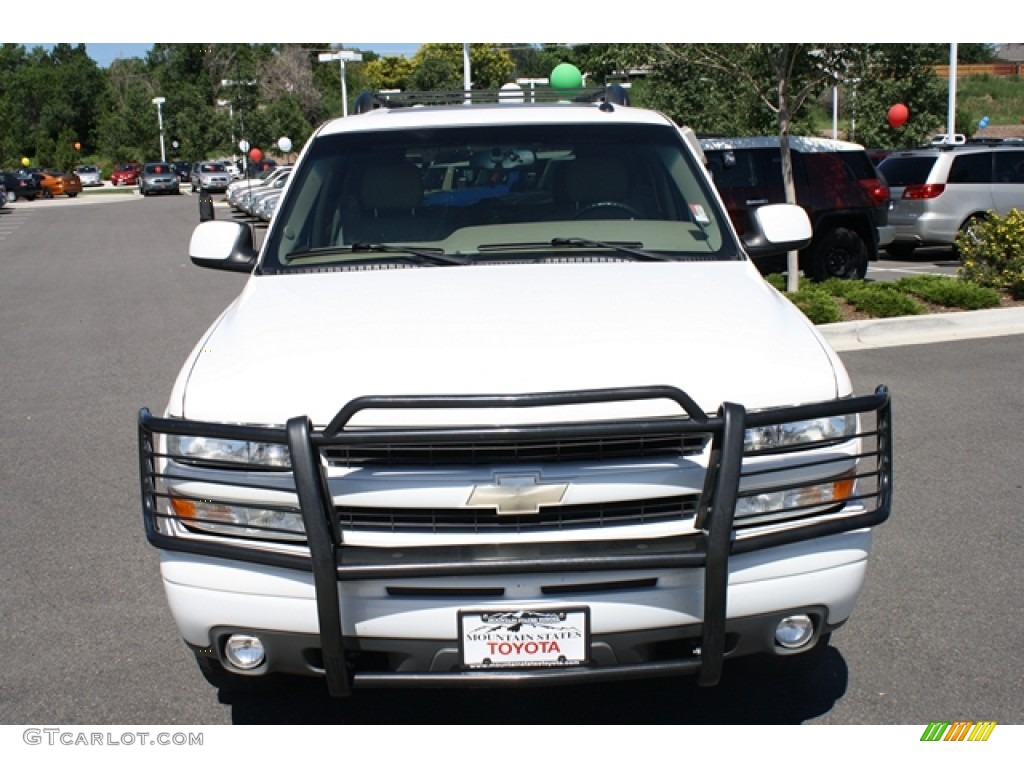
{"x":313,"y":501}
{"x":723,"y":485}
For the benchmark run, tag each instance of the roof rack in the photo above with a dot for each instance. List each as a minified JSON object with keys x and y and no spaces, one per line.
{"x":610,"y":95}
{"x":973,"y":143}
{"x":995,"y":141}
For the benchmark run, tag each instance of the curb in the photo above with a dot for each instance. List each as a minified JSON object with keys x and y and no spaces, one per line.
{"x":923,"y":329}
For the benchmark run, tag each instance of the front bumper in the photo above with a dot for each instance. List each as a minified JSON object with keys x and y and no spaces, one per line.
{"x":404,"y":631}
{"x":336,"y":602}
{"x":213,"y":185}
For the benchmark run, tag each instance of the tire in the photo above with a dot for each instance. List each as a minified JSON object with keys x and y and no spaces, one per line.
{"x":839,"y":253}
{"x":72,"y":194}
{"x":900,"y":250}
{"x":966,"y":228}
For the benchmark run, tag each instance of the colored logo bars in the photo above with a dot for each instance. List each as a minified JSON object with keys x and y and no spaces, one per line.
{"x":958,"y":730}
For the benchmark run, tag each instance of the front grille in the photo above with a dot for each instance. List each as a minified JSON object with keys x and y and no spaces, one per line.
{"x":554,"y":518}
{"x":523,"y":450}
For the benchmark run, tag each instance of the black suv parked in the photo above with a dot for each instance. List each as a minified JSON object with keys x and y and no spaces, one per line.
{"x":846,"y":199}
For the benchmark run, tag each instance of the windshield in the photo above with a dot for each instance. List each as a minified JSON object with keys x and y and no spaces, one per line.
{"x":498,"y":193}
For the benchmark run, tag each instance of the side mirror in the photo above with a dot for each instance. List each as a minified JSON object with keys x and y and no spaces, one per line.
{"x":223,"y":245}
{"x":777,"y":228}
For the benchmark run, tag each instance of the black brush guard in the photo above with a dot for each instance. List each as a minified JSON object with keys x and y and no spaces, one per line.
{"x":332,"y":562}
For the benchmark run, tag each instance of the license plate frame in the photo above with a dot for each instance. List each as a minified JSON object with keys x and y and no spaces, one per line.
{"x":519,"y":638}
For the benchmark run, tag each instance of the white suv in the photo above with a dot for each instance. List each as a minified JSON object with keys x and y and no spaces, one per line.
{"x":547,"y":425}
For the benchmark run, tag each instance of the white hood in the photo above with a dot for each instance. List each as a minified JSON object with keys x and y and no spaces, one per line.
{"x":306,"y":344}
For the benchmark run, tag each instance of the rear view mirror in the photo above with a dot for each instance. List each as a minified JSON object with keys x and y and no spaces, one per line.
{"x":777,"y":228}
{"x":223,"y":245}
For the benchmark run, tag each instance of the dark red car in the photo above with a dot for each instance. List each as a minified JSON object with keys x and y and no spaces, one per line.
{"x":845,"y":197}
{"x":126,"y":175}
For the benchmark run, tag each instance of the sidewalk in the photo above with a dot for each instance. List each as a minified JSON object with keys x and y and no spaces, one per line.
{"x":924,"y":329}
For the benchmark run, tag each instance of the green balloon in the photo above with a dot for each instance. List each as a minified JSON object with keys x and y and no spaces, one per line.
{"x":566,"y":75}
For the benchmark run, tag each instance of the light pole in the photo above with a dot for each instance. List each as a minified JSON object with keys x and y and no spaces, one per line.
{"x":160,"y":122}
{"x":342,"y":56}
{"x":231,"y":114}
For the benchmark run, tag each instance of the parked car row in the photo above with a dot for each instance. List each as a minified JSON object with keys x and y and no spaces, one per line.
{"x":255,"y":196}
{"x":151,"y":179}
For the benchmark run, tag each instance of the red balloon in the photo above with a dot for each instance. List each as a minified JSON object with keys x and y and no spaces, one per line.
{"x":255,"y":154}
{"x":898,"y":114}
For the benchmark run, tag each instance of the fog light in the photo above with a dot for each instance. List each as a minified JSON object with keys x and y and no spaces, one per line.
{"x":244,"y":651}
{"x":794,"y":631}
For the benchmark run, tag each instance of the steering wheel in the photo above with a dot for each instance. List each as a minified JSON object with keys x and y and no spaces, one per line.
{"x":608,"y":204}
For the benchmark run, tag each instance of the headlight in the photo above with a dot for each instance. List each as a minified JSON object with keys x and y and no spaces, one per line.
{"x":813,"y":433}
{"x":188,"y":448}
{"x":283,"y":524}
{"x":794,"y":502}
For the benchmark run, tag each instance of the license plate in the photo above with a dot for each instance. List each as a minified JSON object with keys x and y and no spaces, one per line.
{"x":557,"y":637}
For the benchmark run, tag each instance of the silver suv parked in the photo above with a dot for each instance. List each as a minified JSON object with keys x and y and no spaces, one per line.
{"x":938,"y":191}
{"x":210,"y":177}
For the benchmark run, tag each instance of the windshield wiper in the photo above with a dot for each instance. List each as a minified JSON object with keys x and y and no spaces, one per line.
{"x":420,"y":255}
{"x":632,"y":248}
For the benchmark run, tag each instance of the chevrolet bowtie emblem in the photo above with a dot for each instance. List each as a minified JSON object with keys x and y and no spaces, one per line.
{"x":517,"y":494}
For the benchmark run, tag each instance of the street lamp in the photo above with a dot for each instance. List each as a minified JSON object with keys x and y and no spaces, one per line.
{"x":231,"y":114}
{"x":160,"y":121}
{"x":342,"y":56}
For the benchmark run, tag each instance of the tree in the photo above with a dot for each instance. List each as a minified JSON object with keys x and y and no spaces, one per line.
{"x":285,"y":118}
{"x":288,"y":76}
{"x":888,"y":74}
{"x":388,"y":72}
{"x":440,"y":66}
{"x":781,"y":76}
{"x":537,"y":61}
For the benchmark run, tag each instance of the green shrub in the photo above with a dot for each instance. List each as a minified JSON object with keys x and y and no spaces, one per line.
{"x":822,"y":302}
{"x":881,"y":299}
{"x":947,"y":292}
{"x":992,"y":253}
{"x":819,"y":306}
{"x":813,"y":299}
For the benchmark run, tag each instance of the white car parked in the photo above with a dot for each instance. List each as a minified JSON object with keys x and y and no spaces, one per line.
{"x":238,"y":188}
{"x":547,"y":426}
